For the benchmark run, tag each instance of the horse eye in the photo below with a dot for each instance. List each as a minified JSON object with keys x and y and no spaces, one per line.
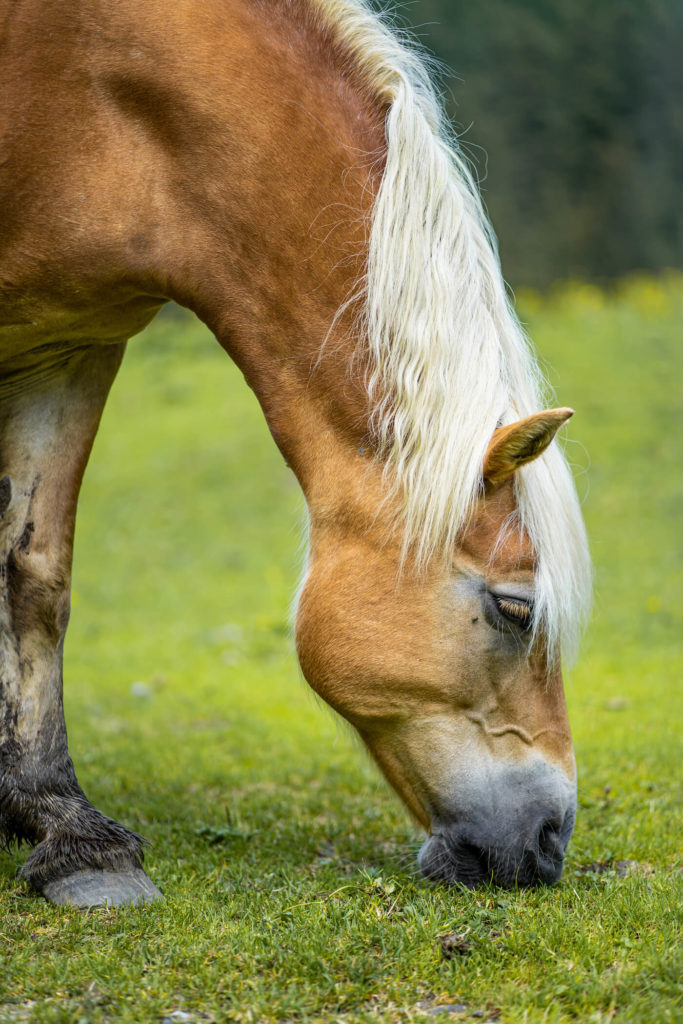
{"x":515,"y":610}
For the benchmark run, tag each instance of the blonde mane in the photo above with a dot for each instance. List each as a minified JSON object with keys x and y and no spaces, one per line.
{"x":449,"y":360}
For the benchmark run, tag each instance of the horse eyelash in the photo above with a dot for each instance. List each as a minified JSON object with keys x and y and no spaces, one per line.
{"x":518,"y":611}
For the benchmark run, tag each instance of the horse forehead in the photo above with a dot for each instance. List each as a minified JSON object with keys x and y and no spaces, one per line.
{"x":493,"y":537}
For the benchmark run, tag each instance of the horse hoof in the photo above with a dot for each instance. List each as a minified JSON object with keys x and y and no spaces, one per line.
{"x":94,"y":888}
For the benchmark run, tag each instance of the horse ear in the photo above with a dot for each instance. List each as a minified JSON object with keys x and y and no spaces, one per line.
{"x":521,"y":442}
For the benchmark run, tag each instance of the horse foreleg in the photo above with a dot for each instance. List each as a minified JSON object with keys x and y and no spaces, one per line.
{"x":48,"y":422}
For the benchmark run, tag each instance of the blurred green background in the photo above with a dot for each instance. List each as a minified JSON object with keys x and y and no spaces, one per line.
{"x":571,"y":112}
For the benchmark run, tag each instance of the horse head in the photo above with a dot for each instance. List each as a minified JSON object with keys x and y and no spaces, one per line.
{"x":447,"y":676}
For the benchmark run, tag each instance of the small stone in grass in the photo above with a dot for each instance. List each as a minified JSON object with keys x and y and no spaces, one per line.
{"x":621,"y":867}
{"x":628,"y":867}
{"x":449,"y":1008}
{"x":326,"y":851}
{"x":454,"y":944}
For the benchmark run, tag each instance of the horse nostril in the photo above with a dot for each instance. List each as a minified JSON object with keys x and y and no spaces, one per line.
{"x":453,"y":859}
{"x":473,"y":864}
{"x":550,"y":842}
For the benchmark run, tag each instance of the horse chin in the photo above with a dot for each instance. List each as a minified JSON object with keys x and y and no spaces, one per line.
{"x":451,"y":856}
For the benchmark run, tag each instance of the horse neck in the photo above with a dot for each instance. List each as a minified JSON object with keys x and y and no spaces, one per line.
{"x":282,"y":192}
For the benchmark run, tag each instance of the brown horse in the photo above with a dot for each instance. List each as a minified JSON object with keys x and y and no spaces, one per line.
{"x":282,"y":168}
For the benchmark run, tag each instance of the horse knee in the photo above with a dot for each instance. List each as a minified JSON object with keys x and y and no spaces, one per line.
{"x":38,"y":594}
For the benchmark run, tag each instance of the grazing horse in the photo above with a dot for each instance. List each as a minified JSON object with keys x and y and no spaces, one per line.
{"x":283,"y":169}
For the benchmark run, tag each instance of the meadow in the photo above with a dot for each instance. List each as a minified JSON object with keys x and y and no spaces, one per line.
{"x":287,"y":865}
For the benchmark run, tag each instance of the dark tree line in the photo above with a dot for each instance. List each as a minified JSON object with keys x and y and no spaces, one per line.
{"x":572,"y":113}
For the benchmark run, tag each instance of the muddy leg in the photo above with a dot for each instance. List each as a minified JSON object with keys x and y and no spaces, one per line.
{"x":47,"y":427}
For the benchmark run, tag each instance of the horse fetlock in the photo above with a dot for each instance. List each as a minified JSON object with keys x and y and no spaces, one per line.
{"x":54,"y":814}
{"x":95,"y":842}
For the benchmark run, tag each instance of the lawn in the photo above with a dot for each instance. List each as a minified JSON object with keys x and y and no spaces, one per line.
{"x":287,"y":866}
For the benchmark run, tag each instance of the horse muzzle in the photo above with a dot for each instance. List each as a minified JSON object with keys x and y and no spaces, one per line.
{"x":515,"y":837}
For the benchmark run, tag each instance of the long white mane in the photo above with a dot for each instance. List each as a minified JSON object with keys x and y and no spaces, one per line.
{"x":449,"y":359}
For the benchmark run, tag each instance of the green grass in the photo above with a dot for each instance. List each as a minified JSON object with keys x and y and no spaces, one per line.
{"x":287,"y":866}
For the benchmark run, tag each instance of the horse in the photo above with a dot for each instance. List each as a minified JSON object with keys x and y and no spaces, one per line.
{"x":284,"y":169}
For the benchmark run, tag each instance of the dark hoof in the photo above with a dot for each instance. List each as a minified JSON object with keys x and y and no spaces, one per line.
{"x":94,"y":888}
